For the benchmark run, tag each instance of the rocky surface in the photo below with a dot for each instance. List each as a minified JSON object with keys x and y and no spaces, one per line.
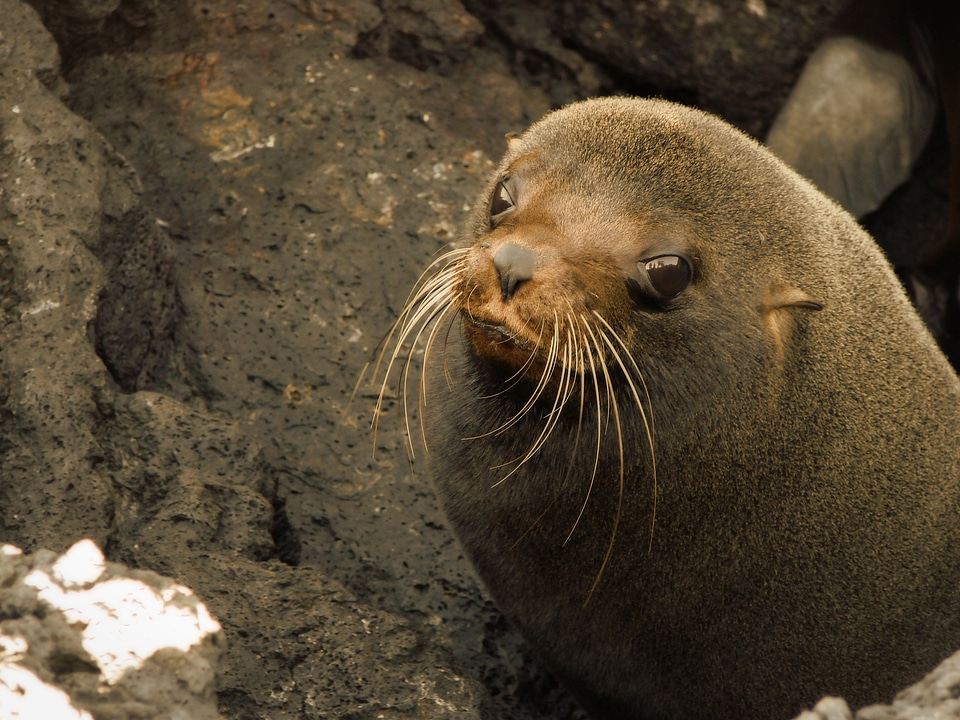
{"x":158,"y":482}
{"x":83,"y":638}
{"x":735,"y":58}
{"x":936,"y":697}
{"x":211,"y":214}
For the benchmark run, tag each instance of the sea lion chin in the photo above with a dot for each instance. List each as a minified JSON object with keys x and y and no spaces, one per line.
{"x":686,"y":424}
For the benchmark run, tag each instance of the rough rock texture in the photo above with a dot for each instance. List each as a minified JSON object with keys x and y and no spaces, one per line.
{"x":936,"y":697}
{"x":735,"y":58}
{"x":73,"y":633}
{"x":159,"y":484}
{"x":186,"y":307}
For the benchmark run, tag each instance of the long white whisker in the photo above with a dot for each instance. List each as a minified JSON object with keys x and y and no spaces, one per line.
{"x":596,"y":454}
{"x":429,"y":300}
{"x":512,"y":381}
{"x":573,"y":371}
{"x":563,"y":394}
{"x":436,"y":294}
{"x":545,"y":376}
{"x":414,"y":324}
{"x":423,"y":324}
{"x":647,"y":419}
{"x":425,"y":285}
{"x":422,"y":402}
{"x":531,"y":401}
{"x":612,"y":399}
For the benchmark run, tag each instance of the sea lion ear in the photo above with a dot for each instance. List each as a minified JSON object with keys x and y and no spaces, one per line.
{"x":513,"y":141}
{"x":782,"y":297}
{"x":780,"y":322}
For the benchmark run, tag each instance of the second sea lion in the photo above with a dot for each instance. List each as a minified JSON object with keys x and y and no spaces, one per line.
{"x":690,"y":431}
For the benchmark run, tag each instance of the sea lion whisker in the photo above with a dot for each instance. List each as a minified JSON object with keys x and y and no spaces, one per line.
{"x":435,"y":293}
{"x":527,"y":406}
{"x":577,"y":340}
{"x":560,"y":399}
{"x":647,"y":419}
{"x":572,"y":369}
{"x":446,"y":337}
{"x":421,"y":316}
{"x":613,"y":407}
{"x":518,"y":375}
{"x":465,"y":305}
{"x":429,"y":299}
{"x":551,"y":417}
{"x":567,"y":381}
{"x":422,"y":395}
{"x":411,"y":323}
{"x":430,"y":321}
{"x":596,"y":455}
{"x":532,"y":525}
{"x":424,"y":286}
{"x":569,"y":377}
{"x":433,"y":322}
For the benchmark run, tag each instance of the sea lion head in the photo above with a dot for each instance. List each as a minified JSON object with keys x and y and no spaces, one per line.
{"x":625,"y":259}
{"x":605,"y":245}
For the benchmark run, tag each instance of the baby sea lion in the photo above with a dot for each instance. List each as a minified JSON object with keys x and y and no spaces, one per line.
{"x":690,"y":431}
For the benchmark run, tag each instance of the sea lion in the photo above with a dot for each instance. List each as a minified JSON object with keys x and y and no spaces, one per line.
{"x":686,"y":424}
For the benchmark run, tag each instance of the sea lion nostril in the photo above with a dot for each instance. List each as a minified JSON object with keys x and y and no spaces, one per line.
{"x":514,"y":265}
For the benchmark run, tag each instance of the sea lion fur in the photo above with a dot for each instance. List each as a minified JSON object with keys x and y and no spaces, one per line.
{"x":721,"y":502}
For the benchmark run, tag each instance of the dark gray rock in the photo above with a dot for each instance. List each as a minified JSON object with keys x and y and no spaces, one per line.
{"x":156,"y":482}
{"x":50,"y":381}
{"x":422,"y":33}
{"x":179,"y":345}
{"x":735,"y":58}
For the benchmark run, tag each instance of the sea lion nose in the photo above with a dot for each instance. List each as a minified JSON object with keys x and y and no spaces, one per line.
{"x":514,"y":265}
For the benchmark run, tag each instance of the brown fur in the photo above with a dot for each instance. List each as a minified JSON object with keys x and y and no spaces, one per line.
{"x":793,"y":530}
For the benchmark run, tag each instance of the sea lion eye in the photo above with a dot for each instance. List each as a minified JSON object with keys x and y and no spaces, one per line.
{"x":502,"y":201}
{"x":669,"y":274}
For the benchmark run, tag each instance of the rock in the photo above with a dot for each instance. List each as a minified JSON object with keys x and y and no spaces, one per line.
{"x":83,"y":10}
{"x":160,"y":484}
{"x":50,"y":381}
{"x":186,"y":310}
{"x":83,"y":638}
{"x":735,"y":58}
{"x":85,"y":26}
{"x":421,"y":33}
{"x":936,"y":697}
{"x":829,"y":708}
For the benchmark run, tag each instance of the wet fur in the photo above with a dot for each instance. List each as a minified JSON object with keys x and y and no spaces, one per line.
{"x":725,"y":508}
